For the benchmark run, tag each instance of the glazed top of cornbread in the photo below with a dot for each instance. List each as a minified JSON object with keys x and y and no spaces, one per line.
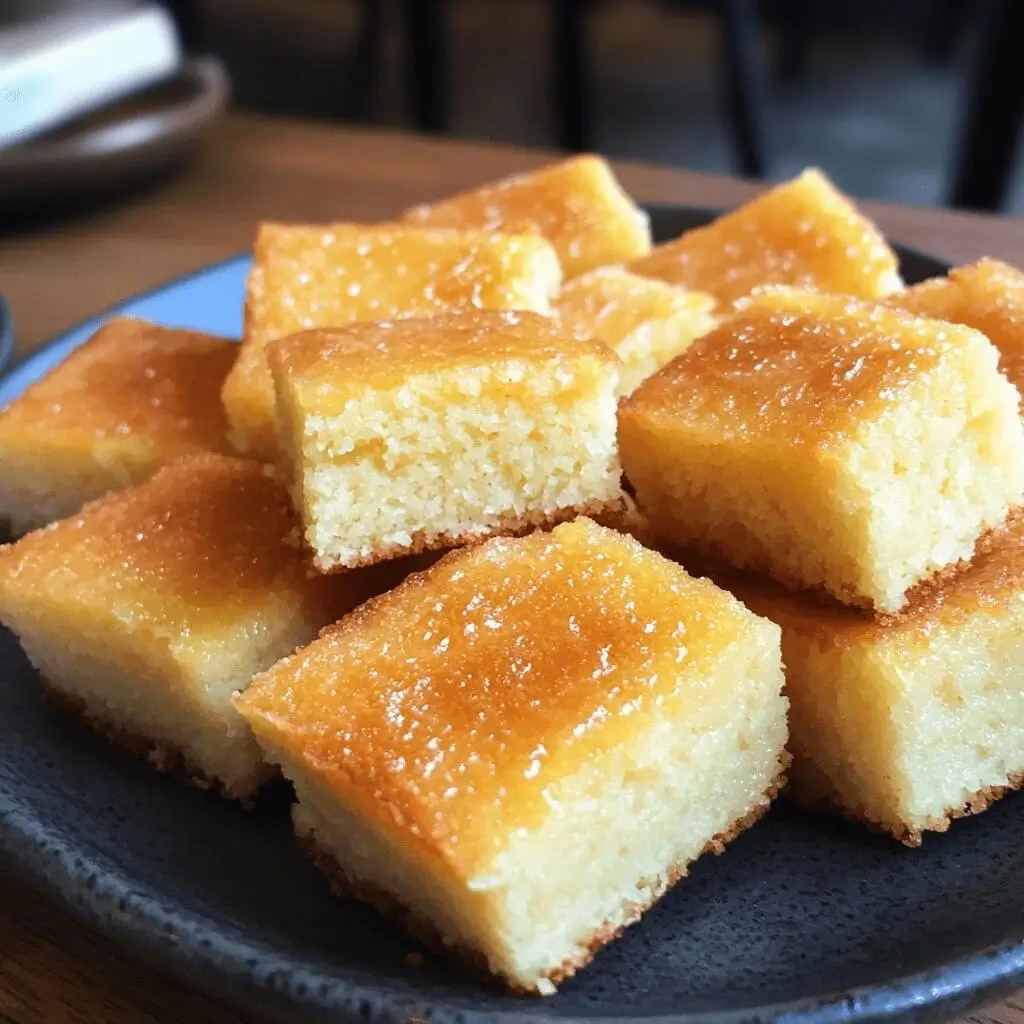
{"x":197,"y":550}
{"x":803,"y":233}
{"x":577,"y":204}
{"x":611,"y":303}
{"x":798,"y":367}
{"x":131,"y":382}
{"x":312,"y":275}
{"x":988,"y":296}
{"x":992,"y":583}
{"x":338,"y":363}
{"x":454,"y":703}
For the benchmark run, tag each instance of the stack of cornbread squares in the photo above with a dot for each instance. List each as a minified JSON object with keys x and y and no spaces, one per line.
{"x":388,"y":550}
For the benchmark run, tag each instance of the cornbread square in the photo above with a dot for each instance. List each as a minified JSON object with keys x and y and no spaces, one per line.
{"x":130,"y":399}
{"x":523,"y":748}
{"x":646,"y":322}
{"x":149,"y":608}
{"x":306,"y":276}
{"x":803,"y":233}
{"x":829,"y":443}
{"x":577,"y":204}
{"x":421,"y":434}
{"x":907,"y":723}
{"x":988,"y":296}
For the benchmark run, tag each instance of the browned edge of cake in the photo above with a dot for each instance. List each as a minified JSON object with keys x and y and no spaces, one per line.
{"x":605,"y":512}
{"x":912,"y":837}
{"x":423,"y":930}
{"x":166,"y":758}
{"x":924,"y":592}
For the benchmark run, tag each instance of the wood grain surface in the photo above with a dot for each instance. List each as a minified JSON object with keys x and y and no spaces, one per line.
{"x":53,"y":969}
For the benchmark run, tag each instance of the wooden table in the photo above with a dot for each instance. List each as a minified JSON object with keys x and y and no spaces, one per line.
{"x":52,"y":969}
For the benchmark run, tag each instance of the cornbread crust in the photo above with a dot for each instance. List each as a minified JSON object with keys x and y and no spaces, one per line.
{"x":422,"y":930}
{"x":613,"y":514}
{"x":166,"y":758}
{"x":912,"y":837}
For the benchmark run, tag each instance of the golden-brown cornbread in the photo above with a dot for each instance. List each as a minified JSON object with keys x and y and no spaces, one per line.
{"x":988,"y":296}
{"x":577,"y":204}
{"x":149,"y":608}
{"x":525,"y":745}
{"x":130,"y":399}
{"x":420,"y":434}
{"x":306,"y":276}
{"x":803,"y":233}
{"x":646,"y":322}
{"x":911,"y":721}
{"x":828,"y":442}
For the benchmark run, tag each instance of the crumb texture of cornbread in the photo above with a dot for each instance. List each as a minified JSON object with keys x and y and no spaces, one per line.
{"x":908,"y":722}
{"x":803,"y":234}
{"x":150,"y":607}
{"x":307,"y":276}
{"x":646,"y":322}
{"x":130,"y":399}
{"x":988,"y":296}
{"x":527,"y":744}
{"x":577,"y":204}
{"x":426,"y":433}
{"x":830,"y":443}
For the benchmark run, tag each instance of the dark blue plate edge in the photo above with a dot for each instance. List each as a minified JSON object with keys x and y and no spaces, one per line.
{"x":928,"y":995}
{"x":6,"y":335}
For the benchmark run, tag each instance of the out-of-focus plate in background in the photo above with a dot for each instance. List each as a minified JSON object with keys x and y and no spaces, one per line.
{"x":116,"y":147}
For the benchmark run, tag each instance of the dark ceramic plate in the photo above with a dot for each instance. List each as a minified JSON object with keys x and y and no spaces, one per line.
{"x":804,"y":919}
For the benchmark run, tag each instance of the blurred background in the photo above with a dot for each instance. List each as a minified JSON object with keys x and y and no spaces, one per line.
{"x":915,"y":101}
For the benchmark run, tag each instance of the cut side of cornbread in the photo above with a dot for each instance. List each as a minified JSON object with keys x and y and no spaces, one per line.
{"x":830,"y":443}
{"x":420,"y":434}
{"x":988,"y":296}
{"x":577,"y":204}
{"x":909,"y":722}
{"x":130,"y":399}
{"x":306,"y":276}
{"x":146,"y":611}
{"x":803,"y":233}
{"x":521,"y":749}
{"x":646,"y":322}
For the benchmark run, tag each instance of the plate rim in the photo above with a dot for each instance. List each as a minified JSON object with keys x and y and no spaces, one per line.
{"x":927,"y":994}
{"x":210,"y":89}
{"x":7,"y":337}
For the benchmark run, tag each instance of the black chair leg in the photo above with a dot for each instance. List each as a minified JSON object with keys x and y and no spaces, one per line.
{"x":995,"y":106}
{"x":742,"y":64}
{"x":365,"y":64}
{"x":795,"y":27}
{"x":945,"y":29}
{"x":571,"y":75}
{"x":426,"y":41}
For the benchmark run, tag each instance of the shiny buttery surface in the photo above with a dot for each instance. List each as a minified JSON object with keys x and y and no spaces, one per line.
{"x":803,"y":233}
{"x":988,"y":296}
{"x":133,"y":382}
{"x":451,"y":704}
{"x":796,"y":367}
{"x":610,"y":304}
{"x":198,"y":548}
{"x":577,"y":205}
{"x":316,"y":276}
{"x":345,"y":360}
